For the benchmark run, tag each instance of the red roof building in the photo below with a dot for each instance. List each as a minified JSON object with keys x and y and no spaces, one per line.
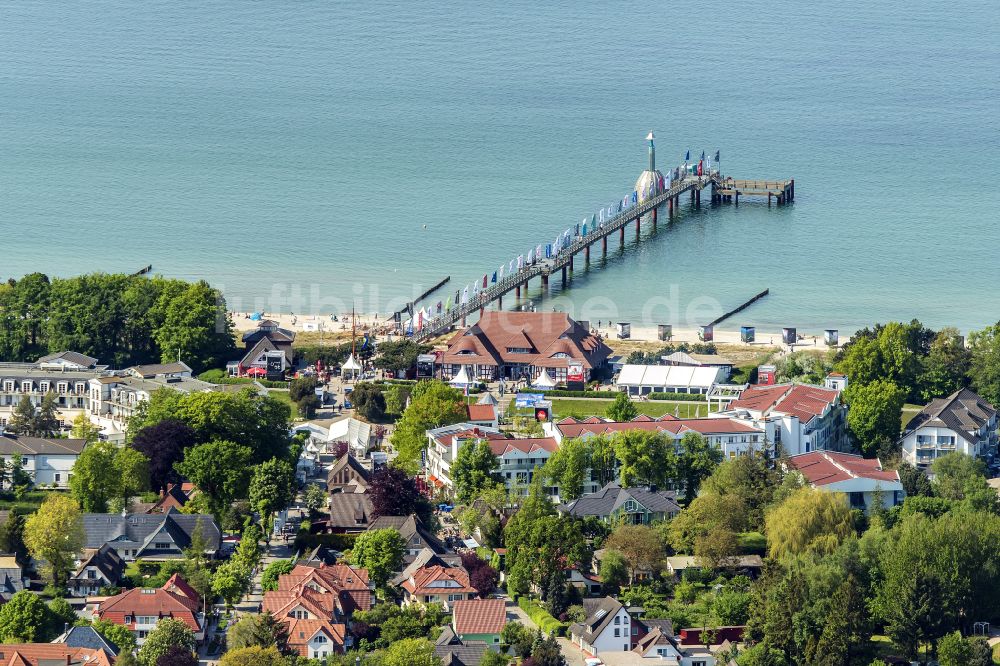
{"x":140,"y":609}
{"x":862,"y":479}
{"x":437,"y":584}
{"x":479,"y":619}
{"x":517,"y":345}
{"x":797,"y":417}
{"x":50,"y":654}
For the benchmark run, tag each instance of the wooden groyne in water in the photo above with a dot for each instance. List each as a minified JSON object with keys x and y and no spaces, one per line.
{"x":409,"y":306}
{"x":740,"y":308}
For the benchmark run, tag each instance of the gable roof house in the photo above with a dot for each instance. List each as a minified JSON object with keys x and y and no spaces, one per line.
{"x":140,"y":609}
{"x":347,"y":475}
{"x":797,"y":418}
{"x":12,"y":578}
{"x":437,"y":583}
{"x":313,"y":601}
{"x":87,"y":637}
{"x":479,"y":620}
{"x":517,"y":345}
{"x":266,"y":340}
{"x":48,"y":461}
{"x":150,"y":536}
{"x":350,"y":512}
{"x":453,"y":651}
{"x":608,"y":628}
{"x":861,"y":479}
{"x":99,"y":568}
{"x":52,"y":654}
{"x":416,"y":536}
{"x":962,"y":422}
{"x":637,"y":506}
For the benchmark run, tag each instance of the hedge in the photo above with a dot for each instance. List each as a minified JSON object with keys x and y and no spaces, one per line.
{"x":541,"y":617}
{"x":267,"y":383}
{"x":306,"y":542}
{"x":691,"y":397}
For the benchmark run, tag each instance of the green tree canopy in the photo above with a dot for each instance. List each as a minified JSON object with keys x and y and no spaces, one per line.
{"x":24,"y":619}
{"x":474,"y":470}
{"x":380,"y":552}
{"x":54,"y":535}
{"x":809,"y":521}
{"x":167,"y":633}
{"x":622,"y":408}
{"x":432,"y":404}
{"x":644,"y":457}
{"x":567,"y":468}
{"x":272,"y":489}
{"x":875,"y":413}
{"x":984,"y":364}
{"x":221,"y":470}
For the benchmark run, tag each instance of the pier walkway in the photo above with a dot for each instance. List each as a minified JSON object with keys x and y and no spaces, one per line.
{"x":723,"y":190}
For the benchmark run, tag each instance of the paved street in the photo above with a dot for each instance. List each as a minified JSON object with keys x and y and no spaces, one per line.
{"x":574,"y":657}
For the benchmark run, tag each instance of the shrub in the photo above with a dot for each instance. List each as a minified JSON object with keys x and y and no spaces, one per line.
{"x":305,"y":542}
{"x":690,"y":397}
{"x":541,"y":617}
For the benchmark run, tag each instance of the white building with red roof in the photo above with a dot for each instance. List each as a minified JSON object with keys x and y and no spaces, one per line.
{"x":735,"y":437}
{"x":519,"y":457}
{"x":797,"y":418}
{"x":437,"y":583}
{"x":140,"y":609}
{"x":479,"y":620}
{"x":861,"y":479}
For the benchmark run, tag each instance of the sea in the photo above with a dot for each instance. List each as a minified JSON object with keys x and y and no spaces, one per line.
{"x":314,"y":156}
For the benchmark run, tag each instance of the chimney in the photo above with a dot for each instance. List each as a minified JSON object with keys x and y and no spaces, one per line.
{"x":476,"y":432}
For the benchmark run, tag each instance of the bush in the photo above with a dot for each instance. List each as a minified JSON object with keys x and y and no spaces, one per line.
{"x":307,"y":542}
{"x":752,"y":543}
{"x":690,"y":397}
{"x":541,"y":617}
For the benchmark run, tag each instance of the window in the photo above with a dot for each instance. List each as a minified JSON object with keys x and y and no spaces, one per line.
{"x":320,"y":639}
{"x":159,"y":545}
{"x":58,"y":478}
{"x":91,"y":574}
{"x":618,"y":619}
{"x":618,"y":632}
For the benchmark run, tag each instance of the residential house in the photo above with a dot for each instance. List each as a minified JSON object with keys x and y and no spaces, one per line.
{"x":347,"y":475}
{"x":796,"y":418}
{"x":659,"y":643}
{"x":963,"y":422}
{"x":350,"y":513}
{"x":12,"y":577}
{"x":151,"y":536}
{"x":519,"y":457}
{"x":437,"y":583}
{"x":751,"y":565}
{"x":521,"y":345}
{"x":141,"y":609}
{"x":862,"y":479}
{"x":174,"y":497}
{"x":267,"y":341}
{"x":87,"y":637}
{"x":646,"y":379}
{"x":98,"y":569}
{"x":52,"y":654}
{"x":115,"y":398}
{"x":608,"y":628}
{"x":733,"y":436}
{"x":314,"y":602}
{"x":48,"y":461}
{"x":416,"y":537}
{"x":641,"y":505}
{"x":479,"y":620}
{"x":482,"y":414}
{"x":453,"y":651}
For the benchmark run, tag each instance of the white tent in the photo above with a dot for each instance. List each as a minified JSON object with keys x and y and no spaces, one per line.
{"x":487,"y":399}
{"x":351,"y":366}
{"x":461,"y":380}
{"x":544,"y":380}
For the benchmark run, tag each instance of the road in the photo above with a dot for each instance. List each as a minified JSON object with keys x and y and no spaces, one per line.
{"x":574,"y":656}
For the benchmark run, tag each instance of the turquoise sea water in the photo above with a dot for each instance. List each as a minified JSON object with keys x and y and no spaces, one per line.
{"x":277,"y":148}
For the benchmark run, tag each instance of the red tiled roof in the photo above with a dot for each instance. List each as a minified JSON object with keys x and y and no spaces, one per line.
{"x":158,"y":602}
{"x":34,"y":654}
{"x":822,"y":468}
{"x":502,"y":446}
{"x":300,"y":632}
{"x":420,"y":583}
{"x":481,"y":412}
{"x":671,"y":424}
{"x":799,"y":400}
{"x":479,"y":616}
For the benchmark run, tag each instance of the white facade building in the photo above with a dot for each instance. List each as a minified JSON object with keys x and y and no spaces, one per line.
{"x":962,"y":422}
{"x":862,"y":479}
{"x":49,"y":462}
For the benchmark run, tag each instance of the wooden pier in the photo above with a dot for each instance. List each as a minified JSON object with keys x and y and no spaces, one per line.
{"x":723,"y":190}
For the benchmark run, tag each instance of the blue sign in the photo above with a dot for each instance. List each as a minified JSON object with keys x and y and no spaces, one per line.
{"x":528,"y":399}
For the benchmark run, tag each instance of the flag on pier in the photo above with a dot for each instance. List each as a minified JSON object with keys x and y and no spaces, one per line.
{"x":500,"y":272}
{"x":494,"y":277}
{"x":717,"y":160}
{"x":687,"y":156}
{"x":484,"y":280}
{"x":520,"y":261}
{"x":439,"y":306}
{"x":538,"y":253}
{"x":465,"y":295}
{"x":447,"y":304}
{"x":703,"y":156}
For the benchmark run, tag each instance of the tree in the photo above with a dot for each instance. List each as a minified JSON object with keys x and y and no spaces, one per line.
{"x":368,"y":401}
{"x":953,"y":650}
{"x":875,"y":413}
{"x":548,"y":653}
{"x":640,"y":546}
{"x":944,"y":369}
{"x":164,"y":444}
{"x":23,"y":619}
{"x":483,"y":578}
{"x":954,"y":473}
{"x":518,"y":637}
{"x":231,"y":581}
{"x":809,"y":521}
{"x":381,"y":552}
{"x":84,"y":429}
{"x":47,"y":419}
{"x":410,"y":652}
{"x":118,"y":634}
{"x":177,"y":656}
{"x":984,"y":365}
{"x":167,"y":633}
{"x":314,"y":497}
{"x":61,"y":615}
{"x":254,"y":655}
{"x":272,"y":488}
{"x":474,"y":470}
{"x":696,"y":460}
{"x":95,"y":481}
{"x":258,"y":630}
{"x":54,"y":534}
{"x":432,"y":404}
{"x":307,"y":406}
{"x":302,"y":386}
{"x":915,"y":482}
{"x":22,"y":419}
{"x":644,"y":457}
{"x":197,"y":328}
{"x":221,"y":470}
{"x":614,"y":571}
{"x":761,"y":654}
{"x":398,"y":356}
{"x":394,"y":493}
{"x":12,"y":535}
{"x":133,"y":472}
{"x":491,"y":658}
{"x":622,"y":408}
{"x":274,"y":570}
{"x":716,"y":548}
{"x":567,"y":468}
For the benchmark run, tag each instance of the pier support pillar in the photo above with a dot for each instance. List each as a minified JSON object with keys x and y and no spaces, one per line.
{"x":621,"y":235}
{"x":692,"y":195}
{"x":654,"y":219}
{"x":768,"y":199}
{"x":586,"y":255}
{"x":481,"y":311}
{"x":545,"y":281}
{"x":517,"y":292}
{"x":793,"y":189}
{"x":564,"y":277}
{"x":463,"y":322}
{"x":604,"y":247}
{"x":570,"y":263}
{"x":670,"y":208}
{"x":715,"y":195}
{"x":637,"y":227}
{"x":736,"y":198}
{"x":499,"y":302}
{"x":697,"y":199}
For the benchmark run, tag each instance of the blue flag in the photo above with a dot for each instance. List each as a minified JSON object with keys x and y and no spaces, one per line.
{"x":716,"y":157}
{"x":494,"y":276}
{"x":687,"y":156}
{"x":703,"y":155}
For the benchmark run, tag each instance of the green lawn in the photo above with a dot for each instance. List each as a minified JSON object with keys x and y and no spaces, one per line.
{"x":283,"y":396}
{"x":909,"y":411}
{"x":563,"y":407}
